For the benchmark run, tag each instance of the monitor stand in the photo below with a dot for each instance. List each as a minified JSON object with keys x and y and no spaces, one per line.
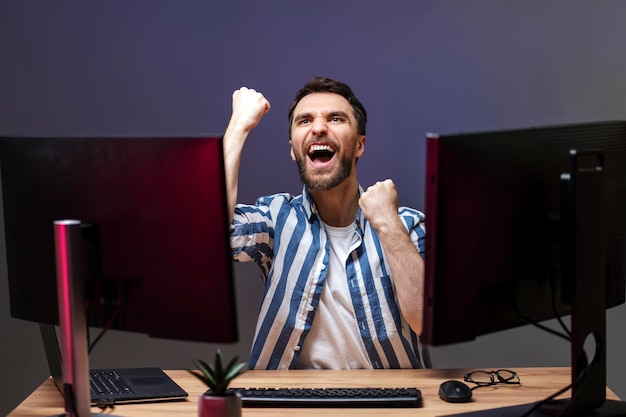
{"x":610,"y":408}
{"x":53,"y":354}
{"x":583,"y":267}
{"x":72,"y":318}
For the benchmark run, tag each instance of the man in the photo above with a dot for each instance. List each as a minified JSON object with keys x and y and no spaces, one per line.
{"x":342,"y":266}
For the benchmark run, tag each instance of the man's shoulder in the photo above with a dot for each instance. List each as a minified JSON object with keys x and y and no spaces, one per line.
{"x":267,"y":209}
{"x":412,"y":218}
{"x":279,"y":198}
{"x":411,"y":212}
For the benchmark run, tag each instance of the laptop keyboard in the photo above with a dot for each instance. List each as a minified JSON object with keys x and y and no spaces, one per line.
{"x":109,"y":382}
{"x":329,"y":397}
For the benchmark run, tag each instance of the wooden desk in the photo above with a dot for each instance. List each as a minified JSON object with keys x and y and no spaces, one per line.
{"x":537,"y":384}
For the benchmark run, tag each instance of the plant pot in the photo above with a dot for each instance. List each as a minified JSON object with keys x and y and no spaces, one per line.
{"x":216,"y":406}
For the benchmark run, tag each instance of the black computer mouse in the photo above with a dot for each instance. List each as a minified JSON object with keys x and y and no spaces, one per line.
{"x":455,"y":392}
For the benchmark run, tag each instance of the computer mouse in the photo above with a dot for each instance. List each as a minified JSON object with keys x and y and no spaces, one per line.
{"x":455,"y":392}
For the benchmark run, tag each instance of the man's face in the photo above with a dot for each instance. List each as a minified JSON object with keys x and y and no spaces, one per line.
{"x":324,"y":140}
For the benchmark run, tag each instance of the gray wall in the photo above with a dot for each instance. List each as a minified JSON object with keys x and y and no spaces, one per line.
{"x":148,"y":67}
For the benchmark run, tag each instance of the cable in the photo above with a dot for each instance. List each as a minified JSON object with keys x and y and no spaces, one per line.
{"x":106,"y":327}
{"x":121,"y":297}
{"x":578,"y":381}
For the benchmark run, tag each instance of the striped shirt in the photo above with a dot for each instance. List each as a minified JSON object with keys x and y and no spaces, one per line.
{"x":284,"y":235}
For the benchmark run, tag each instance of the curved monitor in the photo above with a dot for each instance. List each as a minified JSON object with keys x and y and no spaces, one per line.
{"x":156,"y":238}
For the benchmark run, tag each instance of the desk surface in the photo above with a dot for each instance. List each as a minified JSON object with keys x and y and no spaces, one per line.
{"x":537,"y":384}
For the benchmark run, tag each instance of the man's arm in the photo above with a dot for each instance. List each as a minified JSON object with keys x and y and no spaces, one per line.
{"x":379,"y":204}
{"x":249,"y":106}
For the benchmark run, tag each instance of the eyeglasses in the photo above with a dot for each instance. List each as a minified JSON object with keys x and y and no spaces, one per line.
{"x":486,"y":378}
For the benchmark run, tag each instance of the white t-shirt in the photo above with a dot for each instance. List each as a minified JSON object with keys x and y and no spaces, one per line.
{"x":334,"y":341}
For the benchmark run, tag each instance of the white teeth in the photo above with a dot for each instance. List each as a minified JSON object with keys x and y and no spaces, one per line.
{"x":315,"y":148}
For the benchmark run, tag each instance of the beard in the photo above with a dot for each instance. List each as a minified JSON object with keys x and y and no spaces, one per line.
{"x":324,"y":183}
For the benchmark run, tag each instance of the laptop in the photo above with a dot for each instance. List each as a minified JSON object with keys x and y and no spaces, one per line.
{"x":132,"y":385}
{"x":115,"y":386}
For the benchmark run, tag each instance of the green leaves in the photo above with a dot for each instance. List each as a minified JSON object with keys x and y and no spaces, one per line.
{"x":218,"y":376}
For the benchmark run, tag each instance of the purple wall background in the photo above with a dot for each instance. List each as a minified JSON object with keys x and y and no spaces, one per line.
{"x":148,"y":67}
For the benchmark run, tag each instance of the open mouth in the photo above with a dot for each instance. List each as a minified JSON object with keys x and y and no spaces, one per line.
{"x":321,"y":153}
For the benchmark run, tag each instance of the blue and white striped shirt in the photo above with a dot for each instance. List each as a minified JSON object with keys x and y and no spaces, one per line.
{"x":285,"y":237}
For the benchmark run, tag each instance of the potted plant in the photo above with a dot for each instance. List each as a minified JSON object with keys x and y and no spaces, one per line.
{"x":217,"y":401}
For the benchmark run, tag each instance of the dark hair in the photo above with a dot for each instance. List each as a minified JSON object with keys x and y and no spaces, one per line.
{"x":326,"y":85}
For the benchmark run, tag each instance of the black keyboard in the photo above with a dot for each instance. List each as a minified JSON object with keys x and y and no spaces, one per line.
{"x":329,"y":397}
{"x":107,"y":383}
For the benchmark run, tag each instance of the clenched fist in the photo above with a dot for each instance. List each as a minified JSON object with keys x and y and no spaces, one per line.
{"x":379,"y":203}
{"x":249,"y":106}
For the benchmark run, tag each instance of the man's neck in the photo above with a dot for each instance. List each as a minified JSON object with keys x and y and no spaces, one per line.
{"x":337,"y":207}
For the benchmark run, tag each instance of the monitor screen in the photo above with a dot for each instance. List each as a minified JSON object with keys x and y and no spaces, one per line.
{"x":493,"y":216}
{"x":155,"y":231}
